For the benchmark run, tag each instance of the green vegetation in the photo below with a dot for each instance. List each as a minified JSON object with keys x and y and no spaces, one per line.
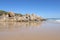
{"x":16,"y":14}
{"x":5,"y":13}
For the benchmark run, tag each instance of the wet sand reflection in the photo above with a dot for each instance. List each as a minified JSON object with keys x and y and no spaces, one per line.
{"x":11,"y":26}
{"x":29,"y":31}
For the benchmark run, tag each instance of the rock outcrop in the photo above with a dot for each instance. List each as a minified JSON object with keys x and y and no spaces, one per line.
{"x":10,"y":16}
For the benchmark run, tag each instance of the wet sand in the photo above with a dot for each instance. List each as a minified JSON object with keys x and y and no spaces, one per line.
{"x":29,"y":31}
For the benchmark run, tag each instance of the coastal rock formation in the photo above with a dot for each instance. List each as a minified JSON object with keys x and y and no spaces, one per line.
{"x":11,"y":14}
{"x":34,"y":17}
{"x":28,"y":17}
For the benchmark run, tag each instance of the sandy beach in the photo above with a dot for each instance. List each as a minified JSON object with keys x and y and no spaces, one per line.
{"x":29,"y":31}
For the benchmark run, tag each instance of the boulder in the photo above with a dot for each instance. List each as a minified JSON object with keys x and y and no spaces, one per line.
{"x":11,"y":14}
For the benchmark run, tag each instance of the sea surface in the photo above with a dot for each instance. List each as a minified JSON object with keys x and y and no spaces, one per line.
{"x":46,"y":30}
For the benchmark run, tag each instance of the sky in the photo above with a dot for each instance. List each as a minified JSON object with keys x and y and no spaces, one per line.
{"x":43,"y":8}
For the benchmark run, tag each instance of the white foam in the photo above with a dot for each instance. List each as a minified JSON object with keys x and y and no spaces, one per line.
{"x":58,"y":20}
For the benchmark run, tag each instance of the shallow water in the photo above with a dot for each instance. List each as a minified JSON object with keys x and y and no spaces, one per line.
{"x":29,"y":31}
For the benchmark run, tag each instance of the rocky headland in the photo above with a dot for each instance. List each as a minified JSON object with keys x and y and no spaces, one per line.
{"x":15,"y":17}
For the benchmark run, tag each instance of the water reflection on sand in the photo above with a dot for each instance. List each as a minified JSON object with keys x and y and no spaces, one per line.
{"x":29,"y":31}
{"x":11,"y":26}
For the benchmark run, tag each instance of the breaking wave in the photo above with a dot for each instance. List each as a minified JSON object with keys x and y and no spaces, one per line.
{"x":57,"y":20}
